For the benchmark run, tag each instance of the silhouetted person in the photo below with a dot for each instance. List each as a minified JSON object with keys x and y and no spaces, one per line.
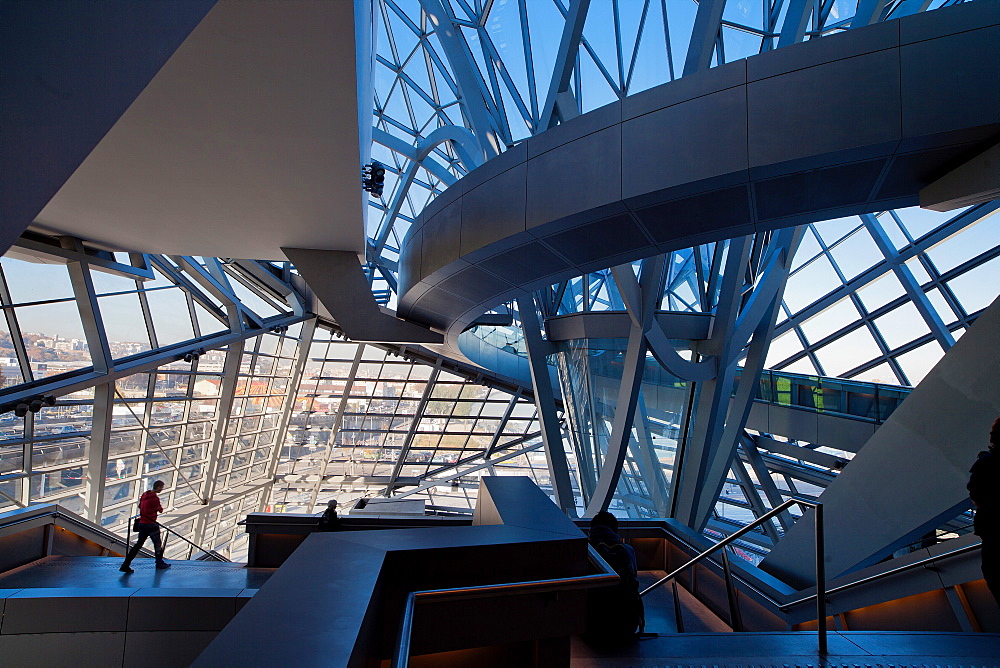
{"x":984,"y":489}
{"x":149,"y":508}
{"x":329,"y":521}
{"x":614,"y":614}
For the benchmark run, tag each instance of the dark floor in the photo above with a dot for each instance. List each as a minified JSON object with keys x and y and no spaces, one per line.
{"x":856,"y":649}
{"x":709,"y":641}
{"x":103,"y":572}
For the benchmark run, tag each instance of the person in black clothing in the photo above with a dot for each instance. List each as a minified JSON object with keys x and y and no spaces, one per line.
{"x":614,"y":614}
{"x":330,"y":521}
{"x":984,"y":490}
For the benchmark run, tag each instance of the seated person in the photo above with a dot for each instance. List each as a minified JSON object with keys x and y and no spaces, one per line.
{"x":329,"y":521}
{"x":614,"y":614}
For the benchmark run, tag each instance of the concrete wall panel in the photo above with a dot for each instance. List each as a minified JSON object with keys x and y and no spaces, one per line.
{"x":189,"y":609}
{"x":55,"y":650}
{"x":67,"y":610}
{"x":164,"y":649}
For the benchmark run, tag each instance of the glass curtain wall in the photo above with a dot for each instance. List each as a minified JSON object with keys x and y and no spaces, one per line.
{"x":196,"y":391}
{"x":368,"y":421}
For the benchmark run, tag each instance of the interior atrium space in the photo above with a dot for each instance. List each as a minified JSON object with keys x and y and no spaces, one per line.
{"x":707,"y":265}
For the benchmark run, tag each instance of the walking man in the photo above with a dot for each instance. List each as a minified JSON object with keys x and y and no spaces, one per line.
{"x":149,"y":508}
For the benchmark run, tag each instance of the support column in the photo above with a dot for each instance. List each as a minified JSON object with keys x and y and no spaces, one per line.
{"x":97,"y":455}
{"x":621,"y":429}
{"x":545,"y":404}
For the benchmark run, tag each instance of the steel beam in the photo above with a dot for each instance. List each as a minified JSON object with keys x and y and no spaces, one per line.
{"x":472,"y":94}
{"x":704,"y":34}
{"x":868,"y":12}
{"x":793,"y":30}
{"x":569,"y":45}
{"x":910,"y":283}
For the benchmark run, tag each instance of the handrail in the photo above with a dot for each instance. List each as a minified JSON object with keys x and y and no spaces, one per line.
{"x":70,"y":517}
{"x":401,"y":655}
{"x":878,"y":576}
{"x":212,"y":553}
{"x":733,"y":602}
{"x":784,"y":607}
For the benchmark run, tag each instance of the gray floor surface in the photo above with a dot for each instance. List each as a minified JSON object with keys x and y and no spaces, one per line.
{"x":102,"y":572}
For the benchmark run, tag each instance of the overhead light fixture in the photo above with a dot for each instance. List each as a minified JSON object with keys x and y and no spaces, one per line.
{"x":373,"y":178}
{"x":33,"y":405}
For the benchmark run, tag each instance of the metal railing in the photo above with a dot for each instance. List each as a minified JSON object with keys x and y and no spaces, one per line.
{"x":732,"y":594}
{"x":878,"y":576}
{"x":91,"y":531}
{"x":605,"y":577}
{"x":211,"y":554}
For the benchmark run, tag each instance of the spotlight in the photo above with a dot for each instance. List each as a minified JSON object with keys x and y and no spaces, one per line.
{"x":33,"y":405}
{"x":373,"y":178}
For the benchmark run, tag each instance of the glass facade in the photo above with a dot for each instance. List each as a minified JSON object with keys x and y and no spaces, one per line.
{"x":197,"y":372}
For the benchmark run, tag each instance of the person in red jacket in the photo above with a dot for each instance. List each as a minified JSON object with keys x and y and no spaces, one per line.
{"x":149,"y":508}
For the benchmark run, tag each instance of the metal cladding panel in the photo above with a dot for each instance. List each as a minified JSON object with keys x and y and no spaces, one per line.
{"x":656,"y":156}
{"x":948,"y":21}
{"x":824,"y":109}
{"x":590,"y":242}
{"x":846,"y":44}
{"x":420,"y":313}
{"x":494,"y":211}
{"x":575,"y":177}
{"x":686,"y":88}
{"x":944,"y":90}
{"x":817,"y":190}
{"x":911,"y":172}
{"x":607,"y":116}
{"x":443,"y":303}
{"x":474,"y":284}
{"x":409,"y":261}
{"x":682,"y":218}
{"x":441,"y":240}
{"x":819,"y":137}
{"x":529,"y":262}
{"x":506,"y":160}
